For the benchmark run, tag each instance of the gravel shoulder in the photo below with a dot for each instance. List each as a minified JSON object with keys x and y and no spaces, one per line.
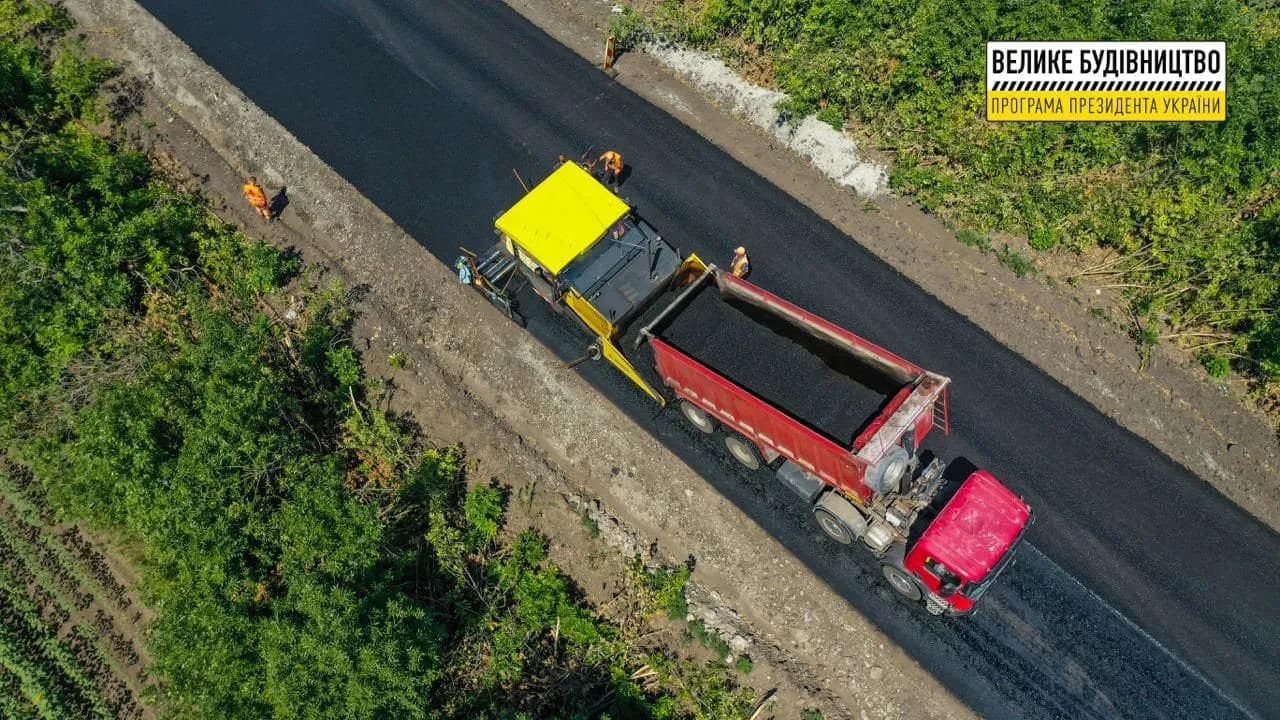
{"x":805,"y":640}
{"x":1203,"y":424}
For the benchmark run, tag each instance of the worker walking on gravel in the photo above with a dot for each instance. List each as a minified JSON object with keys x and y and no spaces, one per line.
{"x":740,"y":266}
{"x":612,"y":168}
{"x":258,"y":198}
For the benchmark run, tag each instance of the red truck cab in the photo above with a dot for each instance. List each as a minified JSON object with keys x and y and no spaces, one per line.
{"x":970,"y":542}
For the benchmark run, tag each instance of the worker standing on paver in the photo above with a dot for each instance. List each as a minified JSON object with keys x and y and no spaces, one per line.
{"x":612,"y":168}
{"x":740,"y":266}
{"x":464,"y":270}
{"x":258,"y":198}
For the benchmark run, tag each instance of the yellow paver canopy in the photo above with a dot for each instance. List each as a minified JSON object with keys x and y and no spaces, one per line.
{"x":563,"y":216}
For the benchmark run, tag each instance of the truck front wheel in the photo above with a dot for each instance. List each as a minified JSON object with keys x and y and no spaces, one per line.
{"x":697,"y":416}
{"x":901,"y":581}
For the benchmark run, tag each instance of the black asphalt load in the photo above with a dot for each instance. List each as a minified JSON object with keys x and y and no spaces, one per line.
{"x":427,"y":105}
{"x":726,"y":338}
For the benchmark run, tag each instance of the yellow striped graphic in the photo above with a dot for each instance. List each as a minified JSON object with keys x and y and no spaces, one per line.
{"x":1133,"y":106}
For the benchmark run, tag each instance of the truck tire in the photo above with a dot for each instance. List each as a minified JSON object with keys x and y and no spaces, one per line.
{"x":839,"y":519}
{"x":743,"y":451}
{"x":901,"y":581}
{"x":832,"y":526}
{"x":697,"y":417}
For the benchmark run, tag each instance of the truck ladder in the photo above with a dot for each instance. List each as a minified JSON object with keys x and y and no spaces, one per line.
{"x":941,"y":413}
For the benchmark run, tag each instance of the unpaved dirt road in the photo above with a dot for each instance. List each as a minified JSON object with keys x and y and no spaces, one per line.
{"x":426,"y":107}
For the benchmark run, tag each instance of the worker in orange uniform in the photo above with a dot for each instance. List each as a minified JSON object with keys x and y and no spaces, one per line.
{"x":612,"y":168}
{"x":740,"y":266}
{"x":258,"y":198}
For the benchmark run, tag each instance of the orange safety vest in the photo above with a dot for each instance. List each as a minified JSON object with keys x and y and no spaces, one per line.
{"x":613,"y":161}
{"x":257,"y":197}
{"x":740,"y":265}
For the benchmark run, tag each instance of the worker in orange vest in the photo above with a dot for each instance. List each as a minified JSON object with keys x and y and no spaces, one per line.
{"x":258,"y":198}
{"x":740,"y":265}
{"x":612,"y":167}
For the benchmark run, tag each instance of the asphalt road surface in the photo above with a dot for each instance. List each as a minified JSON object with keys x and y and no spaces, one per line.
{"x":1143,"y":593}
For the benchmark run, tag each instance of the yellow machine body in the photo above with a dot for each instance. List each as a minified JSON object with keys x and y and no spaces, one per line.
{"x":562,"y":217}
{"x":559,"y":221}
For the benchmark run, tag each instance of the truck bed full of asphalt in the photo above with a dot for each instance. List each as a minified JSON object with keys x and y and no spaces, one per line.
{"x":726,"y":337}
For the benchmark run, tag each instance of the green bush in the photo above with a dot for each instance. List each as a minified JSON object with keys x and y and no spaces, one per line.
{"x":1265,"y":346}
{"x":627,"y":28}
{"x":593,"y":527}
{"x":667,"y":585}
{"x":1015,"y":260}
{"x":1216,"y":365}
{"x":484,"y":508}
{"x":1043,"y":239}
{"x":832,"y":116}
{"x":673,"y":20}
{"x":974,"y":240}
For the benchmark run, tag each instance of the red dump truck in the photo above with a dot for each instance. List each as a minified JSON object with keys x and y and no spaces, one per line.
{"x":841,"y":420}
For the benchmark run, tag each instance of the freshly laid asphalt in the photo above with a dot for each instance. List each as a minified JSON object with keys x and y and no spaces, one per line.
{"x":1142,"y":593}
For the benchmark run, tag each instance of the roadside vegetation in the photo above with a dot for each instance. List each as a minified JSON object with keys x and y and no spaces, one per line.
{"x":1182,"y":218}
{"x":306,"y":552}
{"x":65,"y":620}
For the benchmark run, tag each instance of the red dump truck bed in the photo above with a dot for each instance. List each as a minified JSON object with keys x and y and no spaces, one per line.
{"x":848,"y":416}
{"x":790,"y":381}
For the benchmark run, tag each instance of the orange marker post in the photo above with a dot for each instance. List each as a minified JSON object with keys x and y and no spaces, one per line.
{"x":608,"y":52}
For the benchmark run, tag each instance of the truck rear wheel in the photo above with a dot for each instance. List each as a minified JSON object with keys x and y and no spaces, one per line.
{"x":832,"y":526}
{"x":743,"y":451}
{"x":840,"y":520}
{"x":901,"y":581}
{"x":697,"y":417}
